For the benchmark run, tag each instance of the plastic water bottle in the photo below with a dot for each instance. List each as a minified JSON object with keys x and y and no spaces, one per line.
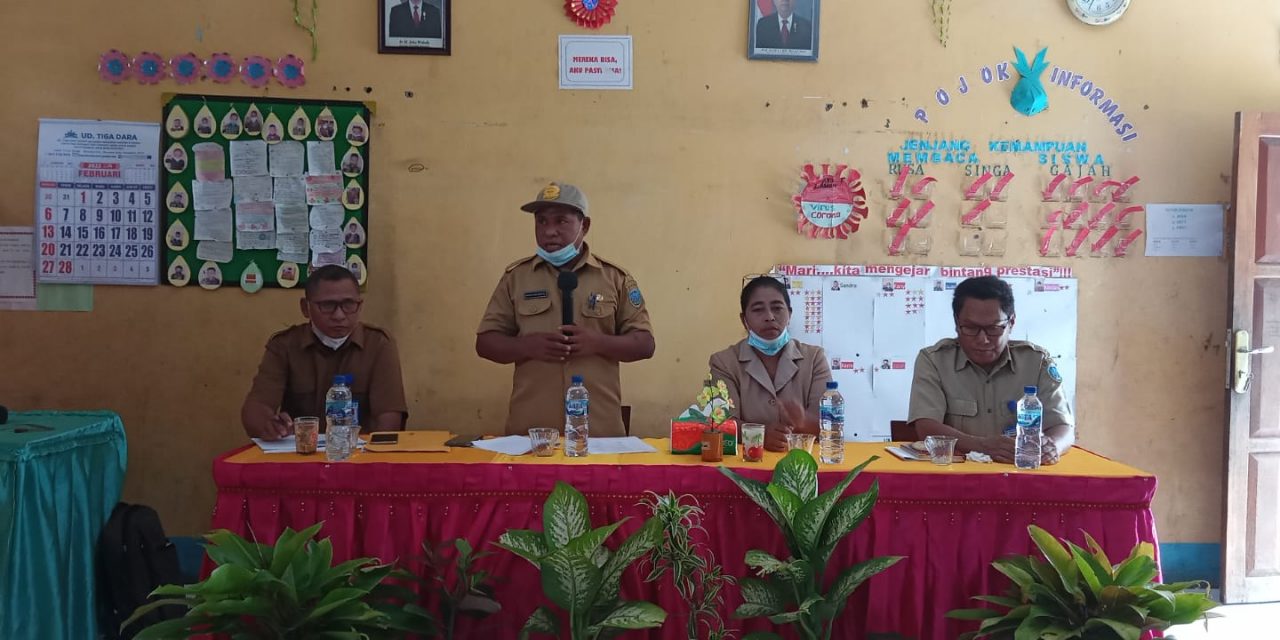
{"x":1026,"y":453}
{"x":576,"y":426}
{"x":831,"y":426}
{"x":339,"y":414}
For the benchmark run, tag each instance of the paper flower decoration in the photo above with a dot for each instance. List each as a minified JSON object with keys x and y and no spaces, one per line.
{"x":1029,"y":97}
{"x":255,"y":71}
{"x":591,"y":14}
{"x":185,"y":68}
{"x":289,"y":71}
{"x":114,"y":66}
{"x":148,"y":67}
{"x":220,"y":67}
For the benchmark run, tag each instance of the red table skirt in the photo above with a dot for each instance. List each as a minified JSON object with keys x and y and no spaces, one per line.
{"x":949,"y":526}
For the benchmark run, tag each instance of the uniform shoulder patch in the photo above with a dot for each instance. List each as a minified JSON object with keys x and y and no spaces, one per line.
{"x":633,"y":295}
{"x":1052,"y":368}
{"x":517,"y":263}
{"x":942,"y":345}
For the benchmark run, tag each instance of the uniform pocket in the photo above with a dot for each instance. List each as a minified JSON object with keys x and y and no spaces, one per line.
{"x":533,"y":307}
{"x":961,"y":407}
{"x":603,"y":308}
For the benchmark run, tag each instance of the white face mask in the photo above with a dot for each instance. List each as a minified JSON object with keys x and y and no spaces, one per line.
{"x":332,"y":343}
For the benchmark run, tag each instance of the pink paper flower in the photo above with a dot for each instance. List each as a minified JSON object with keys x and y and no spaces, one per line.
{"x":289,"y":71}
{"x":149,"y":68}
{"x":114,"y":66}
{"x":255,"y":71}
{"x":185,"y":68}
{"x":220,"y":67}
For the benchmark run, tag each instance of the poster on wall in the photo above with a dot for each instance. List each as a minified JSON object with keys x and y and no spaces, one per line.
{"x":415,"y":26}
{"x":872,"y":320}
{"x":96,"y":210}
{"x":783,"y":29}
{"x":595,"y":62}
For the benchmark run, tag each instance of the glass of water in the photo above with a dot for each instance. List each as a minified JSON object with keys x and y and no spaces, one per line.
{"x":802,"y":441}
{"x":543,"y":441}
{"x":306,"y":431}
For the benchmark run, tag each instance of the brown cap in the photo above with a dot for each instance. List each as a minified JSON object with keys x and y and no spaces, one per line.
{"x":561,"y":194}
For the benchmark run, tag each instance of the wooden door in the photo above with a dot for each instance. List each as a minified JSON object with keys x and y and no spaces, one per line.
{"x":1251,"y":541}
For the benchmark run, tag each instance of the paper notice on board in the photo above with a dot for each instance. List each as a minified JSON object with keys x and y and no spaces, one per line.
{"x":211,"y":161}
{"x":255,"y":216}
{"x":326,"y":240}
{"x":215,"y":251}
{"x":290,"y":191}
{"x":324,"y":259}
{"x":248,"y":158}
{"x":320,"y":158}
{"x":595,"y":62}
{"x":211,"y":195}
{"x":326,"y":189}
{"x":213,"y":225}
{"x":291,"y":218}
{"x":248,"y":240}
{"x":1184,"y":230}
{"x":252,"y":189}
{"x":294,"y":244}
{"x":286,"y":159}
{"x":327,"y":216}
{"x":17,"y":269}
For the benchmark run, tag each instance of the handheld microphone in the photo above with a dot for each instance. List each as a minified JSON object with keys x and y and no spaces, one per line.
{"x":567,"y":281}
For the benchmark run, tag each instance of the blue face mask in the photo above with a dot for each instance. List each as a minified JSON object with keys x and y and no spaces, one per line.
{"x":769,"y":347}
{"x":562,"y":256}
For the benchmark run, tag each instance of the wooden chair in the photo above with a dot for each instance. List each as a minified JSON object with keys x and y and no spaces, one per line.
{"x":902,"y":431}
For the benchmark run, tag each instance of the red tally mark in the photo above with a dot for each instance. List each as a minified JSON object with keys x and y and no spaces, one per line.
{"x":1003,"y":182}
{"x":1076,"y":213}
{"x":1074,"y":248}
{"x":1122,"y":247}
{"x":1096,"y":247}
{"x":895,"y":218}
{"x":918,"y":191}
{"x":1123,"y":216}
{"x":1124,"y":187}
{"x":1077,"y":185}
{"x":974,"y":189}
{"x":895,"y":248}
{"x":896,"y":191}
{"x":975,"y":212}
{"x":1095,"y":220}
{"x":1054,"y":185}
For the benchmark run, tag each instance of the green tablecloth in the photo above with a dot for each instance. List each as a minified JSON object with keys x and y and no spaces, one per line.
{"x":57,"y":488}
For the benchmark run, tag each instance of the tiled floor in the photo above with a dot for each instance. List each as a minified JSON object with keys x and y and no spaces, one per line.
{"x":1239,"y":622}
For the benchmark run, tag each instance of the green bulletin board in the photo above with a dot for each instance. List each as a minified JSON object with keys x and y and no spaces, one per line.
{"x":179,"y":172}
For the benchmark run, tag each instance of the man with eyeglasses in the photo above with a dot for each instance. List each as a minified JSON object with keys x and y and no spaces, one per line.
{"x":301,"y":361}
{"x":964,"y":386}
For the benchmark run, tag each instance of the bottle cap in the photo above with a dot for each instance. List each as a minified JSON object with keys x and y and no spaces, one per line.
{"x":832,"y":384}
{"x":1029,"y":390}
{"x":577,"y":379}
{"x":348,"y":378}
{"x":341,"y":378}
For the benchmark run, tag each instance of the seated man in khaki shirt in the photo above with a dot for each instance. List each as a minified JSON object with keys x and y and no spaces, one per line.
{"x":301,"y":361}
{"x":963,"y":385}
{"x":522,"y":324}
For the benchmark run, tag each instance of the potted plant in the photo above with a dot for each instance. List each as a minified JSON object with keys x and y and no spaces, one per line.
{"x":707,"y":426}
{"x":1079,"y":594}
{"x":695,"y":574}
{"x":579,"y":574}
{"x":795,"y":590}
{"x":289,"y":590}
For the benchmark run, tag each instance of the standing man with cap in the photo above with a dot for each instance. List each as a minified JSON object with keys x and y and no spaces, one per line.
{"x":525,"y":322}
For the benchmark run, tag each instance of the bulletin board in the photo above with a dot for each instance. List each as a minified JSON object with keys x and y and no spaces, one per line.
{"x":872,"y":321}
{"x":235,"y":193}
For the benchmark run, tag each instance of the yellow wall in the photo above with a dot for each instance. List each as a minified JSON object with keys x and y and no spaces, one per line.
{"x":689,"y":176}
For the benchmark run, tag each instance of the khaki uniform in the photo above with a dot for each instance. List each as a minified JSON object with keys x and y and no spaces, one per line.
{"x":297,"y":370}
{"x":527,"y":301}
{"x":951,"y":389}
{"x":802,"y":378}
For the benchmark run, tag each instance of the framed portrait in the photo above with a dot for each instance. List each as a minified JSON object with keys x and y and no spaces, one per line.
{"x":415,"y":26}
{"x":783,"y":29}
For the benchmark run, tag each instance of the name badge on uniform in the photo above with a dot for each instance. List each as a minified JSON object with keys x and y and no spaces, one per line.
{"x":535,"y":295}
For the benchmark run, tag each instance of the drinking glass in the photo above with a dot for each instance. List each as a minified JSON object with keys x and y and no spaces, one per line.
{"x":803,"y":441}
{"x":752,"y":442}
{"x":941,"y":448}
{"x":306,"y":430}
{"x":543,"y":440}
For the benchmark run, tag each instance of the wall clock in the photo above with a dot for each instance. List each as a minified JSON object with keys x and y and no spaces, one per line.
{"x":1098,"y":12}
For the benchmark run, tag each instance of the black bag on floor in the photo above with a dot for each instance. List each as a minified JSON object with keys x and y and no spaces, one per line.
{"x":133,"y":558}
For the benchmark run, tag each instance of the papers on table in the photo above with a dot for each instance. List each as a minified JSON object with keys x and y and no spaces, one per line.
{"x":628,"y":444}
{"x":906,"y":453}
{"x":287,"y":444}
{"x":509,"y":445}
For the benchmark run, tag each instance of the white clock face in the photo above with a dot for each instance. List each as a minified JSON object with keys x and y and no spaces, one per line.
{"x":1098,"y":12}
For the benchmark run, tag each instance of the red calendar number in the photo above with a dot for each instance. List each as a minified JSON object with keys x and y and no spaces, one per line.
{"x":47,"y":248}
{"x":48,"y":213}
{"x":46,"y":266}
{"x":47,"y":231}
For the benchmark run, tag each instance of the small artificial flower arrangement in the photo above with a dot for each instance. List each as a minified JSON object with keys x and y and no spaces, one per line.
{"x":710,"y":415}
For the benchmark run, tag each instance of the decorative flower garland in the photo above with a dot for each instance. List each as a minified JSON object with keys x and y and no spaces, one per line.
{"x":115,"y":66}
{"x":591,"y":14}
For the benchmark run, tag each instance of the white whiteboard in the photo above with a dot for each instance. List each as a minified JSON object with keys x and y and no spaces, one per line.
{"x":872,"y":320}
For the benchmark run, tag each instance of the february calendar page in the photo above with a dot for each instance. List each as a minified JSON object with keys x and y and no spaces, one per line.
{"x":96,"y":202}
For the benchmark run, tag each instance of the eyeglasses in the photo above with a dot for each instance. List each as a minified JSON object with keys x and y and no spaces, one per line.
{"x":786,"y":282}
{"x":992,"y":330}
{"x":329,"y":306}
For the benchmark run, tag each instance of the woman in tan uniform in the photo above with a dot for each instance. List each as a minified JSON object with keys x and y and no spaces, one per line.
{"x":773,"y":380}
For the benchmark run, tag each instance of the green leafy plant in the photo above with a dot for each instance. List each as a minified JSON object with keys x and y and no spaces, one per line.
{"x":290,"y":590}
{"x":1079,"y":594}
{"x":696,"y":575}
{"x":468,"y":593}
{"x":580,"y":574}
{"x":791,"y":591}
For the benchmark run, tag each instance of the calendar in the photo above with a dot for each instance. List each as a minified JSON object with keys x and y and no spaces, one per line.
{"x":97,"y":214}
